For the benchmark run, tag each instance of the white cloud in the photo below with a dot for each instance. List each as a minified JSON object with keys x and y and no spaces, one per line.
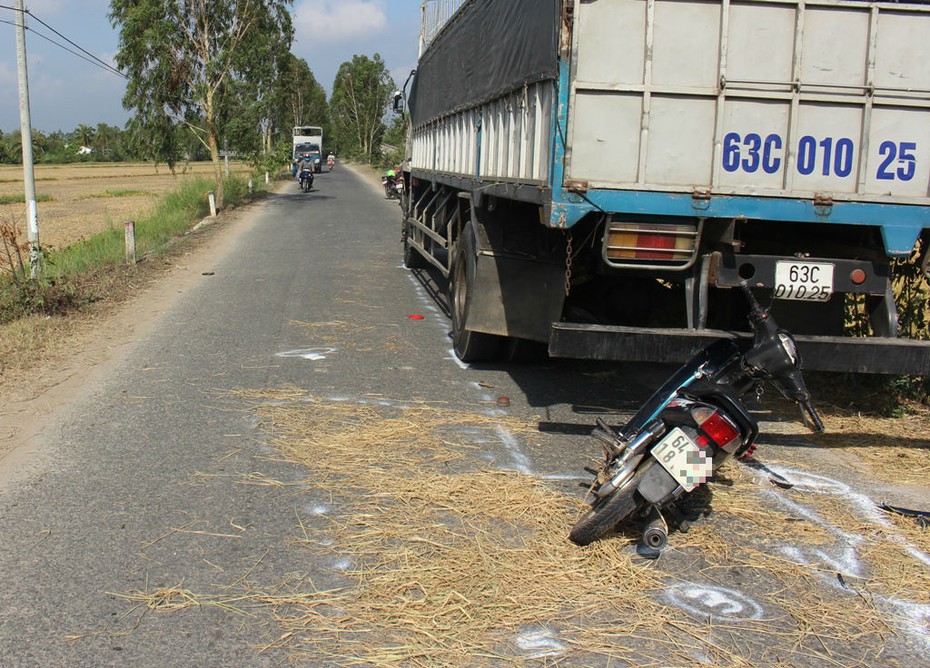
{"x":336,"y":21}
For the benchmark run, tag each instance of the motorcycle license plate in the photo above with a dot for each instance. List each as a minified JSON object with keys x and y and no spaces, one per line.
{"x":684,"y":460}
{"x":803,"y":281}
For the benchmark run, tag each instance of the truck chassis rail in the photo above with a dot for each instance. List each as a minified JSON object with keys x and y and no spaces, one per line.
{"x":819,"y":353}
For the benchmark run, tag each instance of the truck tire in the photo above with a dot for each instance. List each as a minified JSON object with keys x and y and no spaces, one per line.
{"x":469,"y":346}
{"x":412,"y":257}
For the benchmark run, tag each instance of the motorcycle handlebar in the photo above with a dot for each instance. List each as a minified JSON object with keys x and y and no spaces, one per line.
{"x":784,"y":371}
{"x":811,"y":418}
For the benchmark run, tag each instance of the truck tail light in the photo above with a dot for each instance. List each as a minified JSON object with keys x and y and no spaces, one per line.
{"x":636,"y":244}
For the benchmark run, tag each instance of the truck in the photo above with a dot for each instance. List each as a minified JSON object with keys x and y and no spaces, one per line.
{"x":308,"y":140}
{"x":597,"y":176}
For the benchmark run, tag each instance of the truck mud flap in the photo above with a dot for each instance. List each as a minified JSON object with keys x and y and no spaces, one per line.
{"x":818,"y":353}
{"x":515,"y":297}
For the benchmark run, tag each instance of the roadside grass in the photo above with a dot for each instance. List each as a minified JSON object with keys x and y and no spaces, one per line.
{"x":19,"y":198}
{"x":117,"y":193}
{"x":80,"y":273}
{"x":174,"y":216}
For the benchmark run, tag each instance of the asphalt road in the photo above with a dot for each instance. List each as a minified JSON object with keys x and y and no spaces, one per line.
{"x":143,"y":482}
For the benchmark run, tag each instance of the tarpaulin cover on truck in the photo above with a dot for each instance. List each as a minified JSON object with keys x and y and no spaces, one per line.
{"x":488,"y":47}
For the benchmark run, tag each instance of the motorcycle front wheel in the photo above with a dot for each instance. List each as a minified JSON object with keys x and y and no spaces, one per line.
{"x":608,"y":512}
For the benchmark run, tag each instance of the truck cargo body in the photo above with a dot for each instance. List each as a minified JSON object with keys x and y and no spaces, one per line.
{"x":308,"y":140}
{"x":603,"y":172}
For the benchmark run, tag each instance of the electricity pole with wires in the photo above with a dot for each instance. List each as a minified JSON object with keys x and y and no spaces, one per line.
{"x":25,"y":122}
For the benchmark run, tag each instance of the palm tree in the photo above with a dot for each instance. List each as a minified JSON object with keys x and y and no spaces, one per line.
{"x":105,"y":139}
{"x":84,"y":134}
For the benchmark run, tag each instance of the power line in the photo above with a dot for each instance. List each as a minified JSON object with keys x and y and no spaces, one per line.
{"x":89,"y":57}
{"x":95,"y":61}
{"x":77,"y":46}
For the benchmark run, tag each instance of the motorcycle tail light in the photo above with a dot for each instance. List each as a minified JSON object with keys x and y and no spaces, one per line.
{"x":717,"y":426}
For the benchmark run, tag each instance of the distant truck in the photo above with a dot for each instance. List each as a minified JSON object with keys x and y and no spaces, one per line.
{"x":308,"y":140}
{"x":599,"y":175}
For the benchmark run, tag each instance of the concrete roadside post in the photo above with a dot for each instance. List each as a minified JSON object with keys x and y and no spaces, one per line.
{"x":130,"y":233}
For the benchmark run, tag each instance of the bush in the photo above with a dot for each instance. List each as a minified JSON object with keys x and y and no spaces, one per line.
{"x":37,"y":296}
{"x":912,"y":294}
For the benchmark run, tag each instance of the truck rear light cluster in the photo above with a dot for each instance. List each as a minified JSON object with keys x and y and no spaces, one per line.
{"x":627,"y":243}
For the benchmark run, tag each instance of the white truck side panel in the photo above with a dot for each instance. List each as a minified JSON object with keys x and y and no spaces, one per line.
{"x":752,"y":97}
{"x":506,"y":139}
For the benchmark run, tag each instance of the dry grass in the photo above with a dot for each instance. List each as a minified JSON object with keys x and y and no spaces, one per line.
{"x":453,"y":564}
{"x":834,"y":539}
{"x":88,"y":198}
{"x":894,"y":449}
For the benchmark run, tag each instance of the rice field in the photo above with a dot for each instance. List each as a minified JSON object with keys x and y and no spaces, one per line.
{"x":79,"y":200}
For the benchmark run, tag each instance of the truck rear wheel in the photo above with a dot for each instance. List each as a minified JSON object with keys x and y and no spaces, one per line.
{"x":470,"y":346}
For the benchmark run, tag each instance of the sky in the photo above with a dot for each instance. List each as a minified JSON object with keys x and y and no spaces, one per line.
{"x":66,"y":91}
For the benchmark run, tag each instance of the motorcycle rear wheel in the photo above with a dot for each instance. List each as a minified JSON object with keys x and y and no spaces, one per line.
{"x":608,"y":512}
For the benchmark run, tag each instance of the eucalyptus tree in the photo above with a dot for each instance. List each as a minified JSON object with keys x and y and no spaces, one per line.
{"x":299,"y":97}
{"x":361,"y":95}
{"x":181,"y":58}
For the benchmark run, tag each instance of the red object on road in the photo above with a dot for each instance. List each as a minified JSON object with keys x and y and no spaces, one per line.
{"x":415,"y":316}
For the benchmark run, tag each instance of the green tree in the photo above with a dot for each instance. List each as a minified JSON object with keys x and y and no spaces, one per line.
{"x":181,"y":57}
{"x":299,"y":100}
{"x":395,"y":138}
{"x":264,"y":78}
{"x":108,"y":142}
{"x":15,"y":145}
{"x":84,"y":135}
{"x":361,"y":95}
{"x":56,"y":149}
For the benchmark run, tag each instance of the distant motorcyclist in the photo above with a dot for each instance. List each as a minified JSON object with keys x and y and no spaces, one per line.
{"x":305,"y":172}
{"x":331,"y":161}
{"x":389,"y":182}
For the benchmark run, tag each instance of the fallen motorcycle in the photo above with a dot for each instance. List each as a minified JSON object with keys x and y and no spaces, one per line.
{"x":688,"y":428}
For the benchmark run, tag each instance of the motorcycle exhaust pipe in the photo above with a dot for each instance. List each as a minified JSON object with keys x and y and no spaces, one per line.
{"x":655,"y":535}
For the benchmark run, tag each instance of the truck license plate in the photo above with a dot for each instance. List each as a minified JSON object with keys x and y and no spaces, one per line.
{"x":804,"y":281}
{"x":685,"y":461}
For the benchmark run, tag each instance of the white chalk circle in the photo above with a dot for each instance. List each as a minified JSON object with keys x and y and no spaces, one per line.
{"x":713,"y":602}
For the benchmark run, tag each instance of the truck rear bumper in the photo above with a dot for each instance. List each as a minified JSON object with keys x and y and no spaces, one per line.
{"x":819,"y":353}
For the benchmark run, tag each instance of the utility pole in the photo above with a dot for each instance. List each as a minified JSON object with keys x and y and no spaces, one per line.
{"x":25,"y":124}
